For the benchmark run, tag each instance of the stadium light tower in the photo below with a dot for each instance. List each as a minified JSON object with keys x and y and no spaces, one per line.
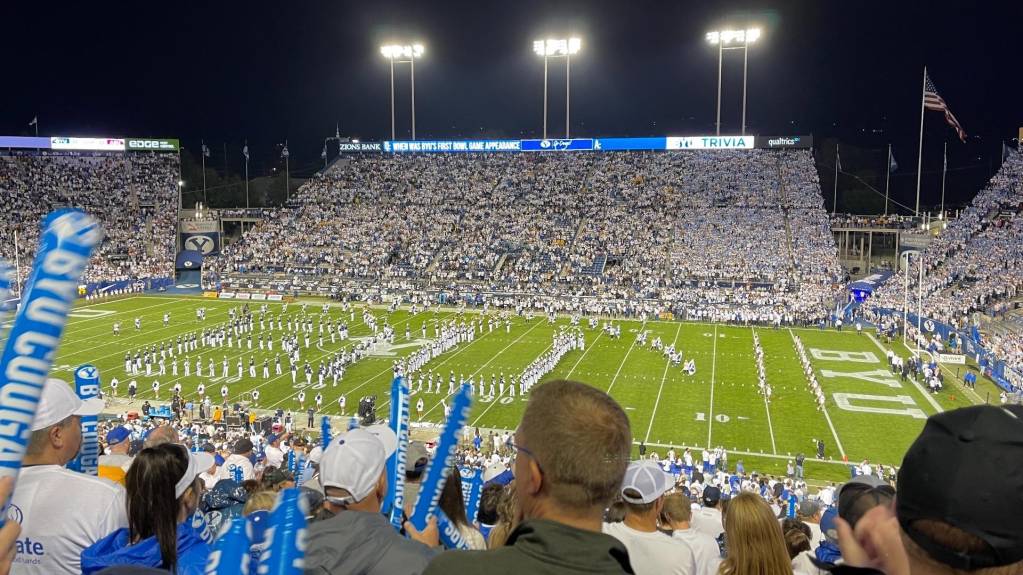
{"x":401,"y":54}
{"x":722,"y":38}
{"x":557,"y":48}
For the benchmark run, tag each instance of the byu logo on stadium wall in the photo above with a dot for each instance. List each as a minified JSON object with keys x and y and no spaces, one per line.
{"x":202,"y":244}
{"x":929,"y":325}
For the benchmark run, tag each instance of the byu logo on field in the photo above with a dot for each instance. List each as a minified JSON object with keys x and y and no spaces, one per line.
{"x":86,"y":372}
{"x":929,"y":325}
{"x":201,"y":244}
{"x":189,"y":264}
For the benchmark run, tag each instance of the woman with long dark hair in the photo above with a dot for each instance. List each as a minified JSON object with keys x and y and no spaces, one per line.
{"x":164,"y":530}
{"x":453,"y":505}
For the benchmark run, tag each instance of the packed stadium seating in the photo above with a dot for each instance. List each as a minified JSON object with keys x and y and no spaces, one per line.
{"x":975,"y":264}
{"x":134,"y":196}
{"x":723,"y":234}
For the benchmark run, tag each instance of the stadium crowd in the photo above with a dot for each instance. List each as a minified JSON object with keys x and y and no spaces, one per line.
{"x":133,"y":195}
{"x":562,"y":494}
{"x":730,"y":235}
{"x":975,"y":264}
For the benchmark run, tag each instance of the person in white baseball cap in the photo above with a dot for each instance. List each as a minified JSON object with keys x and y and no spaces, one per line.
{"x":61,"y":512}
{"x":650,"y":550}
{"x":355,"y":537}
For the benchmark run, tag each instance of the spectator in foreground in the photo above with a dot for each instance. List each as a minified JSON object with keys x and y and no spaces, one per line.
{"x":164,"y":528}
{"x":934,"y":528}
{"x":753,"y":539}
{"x":571,"y":451}
{"x":707,"y":519}
{"x":114,"y":464}
{"x":61,"y":512}
{"x":452,"y":503}
{"x":352,"y":535}
{"x":650,"y":551}
{"x":676,"y":515}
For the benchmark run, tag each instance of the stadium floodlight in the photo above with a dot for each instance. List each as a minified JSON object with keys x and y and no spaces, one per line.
{"x":558,"y":48}
{"x":403,"y":53}
{"x":181,"y":183}
{"x":721,"y":38}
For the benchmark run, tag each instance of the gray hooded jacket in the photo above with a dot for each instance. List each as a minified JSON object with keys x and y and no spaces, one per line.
{"x":358,"y":543}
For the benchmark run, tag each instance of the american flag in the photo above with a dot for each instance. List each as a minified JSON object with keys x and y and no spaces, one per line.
{"x":933,"y":101}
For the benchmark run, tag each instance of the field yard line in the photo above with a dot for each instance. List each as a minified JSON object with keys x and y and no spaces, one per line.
{"x":571,"y":371}
{"x":739,"y":452}
{"x":473,"y":374}
{"x":491,"y":360}
{"x":664,"y":376}
{"x":447,"y":358}
{"x":825,"y":410}
{"x":767,"y":407}
{"x":113,"y":314}
{"x":631,"y":347}
{"x":713,"y":367}
{"x":321,"y":356}
{"x":916,"y":384}
{"x":213,"y":379}
{"x":496,"y":400}
{"x":122,"y":339}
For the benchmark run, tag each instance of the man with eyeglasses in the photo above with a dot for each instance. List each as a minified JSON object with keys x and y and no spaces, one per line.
{"x":570,"y":454}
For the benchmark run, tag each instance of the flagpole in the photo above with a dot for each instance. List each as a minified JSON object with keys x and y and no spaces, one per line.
{"x":834,"y":204}
{"x":920,"y":153}
{"x":246,"y":177}
{"x":944,"y":168}
{"x":17,"y":262}
{"x":204,"y":151}
{"x":887,"y":178}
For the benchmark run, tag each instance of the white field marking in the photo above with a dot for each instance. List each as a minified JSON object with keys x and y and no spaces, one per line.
{"x":285,"y":373}
{"x":447,"y":358}
{"x":916,"y":384}
{"x":81,"y":320}
{"x":538,"y":321}
{"x":740,"y":452}
{"x":592,"y":344}
{"x":713,"y":367}
{"x":620,"y":366}
{"x":146,"y":334}
{"x":767,"y":407}
{"x":664,"y":376}
{"x":834,"y":433}
{"x":397,"y":323}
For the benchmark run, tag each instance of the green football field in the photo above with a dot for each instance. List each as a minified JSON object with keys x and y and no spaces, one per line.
{"x":869,"y":413}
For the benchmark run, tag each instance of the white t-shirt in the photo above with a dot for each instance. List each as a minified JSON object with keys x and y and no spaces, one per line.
{"x":706,"y":553}
{"x":707,"y":520}
{"x":61,"y":513}
{"x":235,"y":460}
{"x":274,"y":456}
{"x":653,"y":553}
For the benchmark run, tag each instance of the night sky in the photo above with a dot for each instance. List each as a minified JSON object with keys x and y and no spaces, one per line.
{"x":270,"y":71}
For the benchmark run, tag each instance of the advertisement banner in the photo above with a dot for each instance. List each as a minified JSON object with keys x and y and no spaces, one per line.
{"x":556,"y":145}
{"x":152,"y":145}
{"x":207,"y":244}
{"x":346,"y":147}
{"x":24,"y":142}
{"x":951,"y":358}
{"x":710,"y":143}
{"x":95,"y":144}
{"x":198,"y":226}
{"x":784,"y":142}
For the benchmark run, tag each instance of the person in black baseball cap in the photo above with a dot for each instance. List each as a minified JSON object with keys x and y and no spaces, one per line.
{"x":936,"y":527}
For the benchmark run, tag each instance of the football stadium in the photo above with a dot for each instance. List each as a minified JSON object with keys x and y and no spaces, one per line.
{"x":703,"y":348}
